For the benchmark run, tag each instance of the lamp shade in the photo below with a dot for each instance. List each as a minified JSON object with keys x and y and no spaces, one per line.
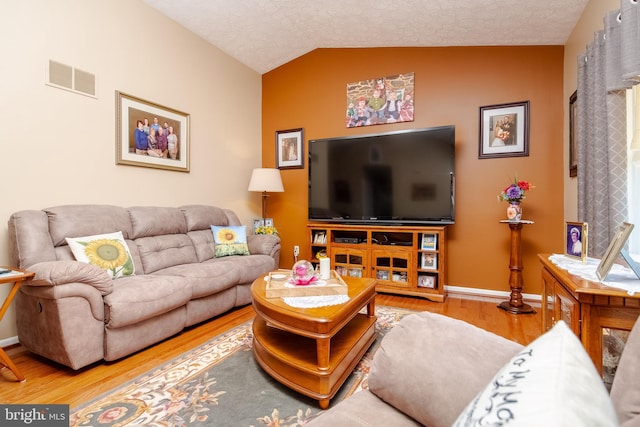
{"x":266,"y":180}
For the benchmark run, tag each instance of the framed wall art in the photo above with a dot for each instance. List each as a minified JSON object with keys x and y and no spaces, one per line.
{"x":151,"y":135}
{"x":576,"y":234}
{"x":573,"y":129}
{"x":289,"y":149}
{"x":504,"y":130}
{"x":380,"y":100}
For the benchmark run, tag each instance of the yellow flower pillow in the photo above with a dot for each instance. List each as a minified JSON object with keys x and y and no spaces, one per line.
{"x":230,"y":240}
{"x":107,"y":251}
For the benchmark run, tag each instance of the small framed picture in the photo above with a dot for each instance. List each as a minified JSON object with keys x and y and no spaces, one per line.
{"x":576,"y":234}
{"x":259,"y":222}
{"x":427,"y":281}
{"x":429,"y":242}
{"x":382,"y":275}
{"x":504,"y":130}
{"x":573,"y":130}
{"x":429,"y":261}
{"x":289,"y":147}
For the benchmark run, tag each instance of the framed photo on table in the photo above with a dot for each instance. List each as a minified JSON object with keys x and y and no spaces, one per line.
{"x":504,"y":130}
{"x":289,"y":149}
{"x":576,"y":234}
{"x":615,"y":250}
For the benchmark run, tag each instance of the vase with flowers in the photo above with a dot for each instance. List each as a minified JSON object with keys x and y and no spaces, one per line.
{"x":266,"y":229}
{"x":514,"y":194}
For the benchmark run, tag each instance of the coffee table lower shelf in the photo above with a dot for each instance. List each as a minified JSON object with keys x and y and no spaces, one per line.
{"x":293,"y":359}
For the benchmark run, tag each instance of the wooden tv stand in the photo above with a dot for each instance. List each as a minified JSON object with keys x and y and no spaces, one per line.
{"x":405,"y":260}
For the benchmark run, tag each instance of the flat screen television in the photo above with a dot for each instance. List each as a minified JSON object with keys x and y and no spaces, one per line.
{"x":396,"y":178}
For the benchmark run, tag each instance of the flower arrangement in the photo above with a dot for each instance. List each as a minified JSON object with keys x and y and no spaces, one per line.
{"x":266,"y":229}
{"x":515,"y":192}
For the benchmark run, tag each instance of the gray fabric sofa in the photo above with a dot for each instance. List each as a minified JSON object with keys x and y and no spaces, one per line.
{"x":438,"y":371}
{"x":75,"y":314}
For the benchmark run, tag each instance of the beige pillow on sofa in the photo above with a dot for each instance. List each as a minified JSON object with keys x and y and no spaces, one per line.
{"x":552,"y":383}
{"x":430,"y":366}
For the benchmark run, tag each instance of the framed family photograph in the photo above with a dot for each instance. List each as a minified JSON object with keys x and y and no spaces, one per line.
{"x":151,"y":135}
{"x":573,"y":130}
{"x":504,"y":130}
{"x":576,"y":234}
{"x":289,"y":149}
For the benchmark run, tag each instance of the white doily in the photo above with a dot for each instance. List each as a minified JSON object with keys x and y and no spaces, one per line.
{"x":620,"y":277}
{"x":315,"y":301}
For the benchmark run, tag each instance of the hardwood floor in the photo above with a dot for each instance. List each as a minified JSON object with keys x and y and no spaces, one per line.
{"x":48,"y":382}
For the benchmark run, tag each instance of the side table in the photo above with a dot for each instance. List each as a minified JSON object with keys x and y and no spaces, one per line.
{"x":515,"y":304}
{"x":16,"y":277}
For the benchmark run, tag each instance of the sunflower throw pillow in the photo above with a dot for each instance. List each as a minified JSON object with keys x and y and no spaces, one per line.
{"x":230,"y":240}
{"x":107,"y":251}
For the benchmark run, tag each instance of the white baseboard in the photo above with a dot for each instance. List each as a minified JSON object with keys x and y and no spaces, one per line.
{"x":9,"y":341}
{"x":497,"y":296}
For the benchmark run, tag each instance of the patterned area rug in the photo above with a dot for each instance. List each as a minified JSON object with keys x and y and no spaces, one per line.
{"x":219,"y":384}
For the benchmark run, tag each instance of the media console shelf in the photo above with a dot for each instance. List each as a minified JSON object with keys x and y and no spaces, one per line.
{"x":405,"y":260}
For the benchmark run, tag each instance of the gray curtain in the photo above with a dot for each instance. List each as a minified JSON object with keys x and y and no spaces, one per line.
{"x":610,"y":65}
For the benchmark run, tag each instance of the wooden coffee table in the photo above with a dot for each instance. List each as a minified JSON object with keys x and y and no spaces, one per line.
{"x":313,"y":350}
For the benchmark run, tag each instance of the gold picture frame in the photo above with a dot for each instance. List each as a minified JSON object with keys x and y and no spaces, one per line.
{"x":576,"y":238}
{"x":129,"y":111}
{"x":616,"y":249}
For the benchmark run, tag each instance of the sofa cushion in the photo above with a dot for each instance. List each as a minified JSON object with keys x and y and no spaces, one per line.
{"x":625,"y":390}
{"x":141,"y":297}
{"x":201,"y":217}
{"x":107,"y":251}
{"x":206,"y":278}
{"x":156,"y":221}
{"x":430,"y":366}
{"x":551,"y":382}
{"x":86,"y":220}
{"x":230,"y":240}
{"x":362,"y":409}
{"x":158,"y":252}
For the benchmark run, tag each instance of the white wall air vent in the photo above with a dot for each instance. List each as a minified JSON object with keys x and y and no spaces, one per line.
{"x":72,"y":79}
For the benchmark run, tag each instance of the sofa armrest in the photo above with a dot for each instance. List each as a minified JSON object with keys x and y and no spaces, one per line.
{"x":431,"y":366}
{"x":264,"y":244}
{"x":56,"y":273}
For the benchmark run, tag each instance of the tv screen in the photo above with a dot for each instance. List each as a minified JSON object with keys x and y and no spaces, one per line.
{"x":404,"y":177}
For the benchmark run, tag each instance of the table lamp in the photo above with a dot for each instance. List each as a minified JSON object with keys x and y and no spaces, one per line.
{"x":266,"y":180}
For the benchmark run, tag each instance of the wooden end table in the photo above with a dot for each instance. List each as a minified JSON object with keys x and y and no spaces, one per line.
{"x":16,"y":277}
{"x":313,"y":350}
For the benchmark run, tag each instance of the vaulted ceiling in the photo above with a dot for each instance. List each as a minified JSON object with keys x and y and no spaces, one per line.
{"x":264,"y":34}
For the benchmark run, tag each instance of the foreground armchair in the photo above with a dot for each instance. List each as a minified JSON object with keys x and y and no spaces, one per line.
{"x":437,"y":371}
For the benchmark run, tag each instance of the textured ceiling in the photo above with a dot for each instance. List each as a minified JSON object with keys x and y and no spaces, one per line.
{"x":264,"y":34}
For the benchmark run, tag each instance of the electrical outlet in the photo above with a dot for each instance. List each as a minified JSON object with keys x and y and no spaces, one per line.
{"x":296,"y":250}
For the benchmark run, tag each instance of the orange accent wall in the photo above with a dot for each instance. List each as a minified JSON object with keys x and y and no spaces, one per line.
{"x":451,"y":84}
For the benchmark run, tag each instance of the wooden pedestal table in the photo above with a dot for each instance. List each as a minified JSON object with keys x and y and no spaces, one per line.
{"x":16,"y":277}
{"x":515,"y":304}
{"x":313,"y":350}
